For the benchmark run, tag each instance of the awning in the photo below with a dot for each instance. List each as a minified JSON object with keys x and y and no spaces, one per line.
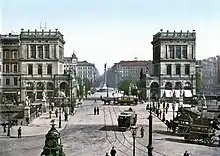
{"x":188,"y":93}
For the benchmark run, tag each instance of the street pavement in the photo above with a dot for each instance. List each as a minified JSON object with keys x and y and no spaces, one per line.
{"x":39,"y":126}
{"x":84,"y":135}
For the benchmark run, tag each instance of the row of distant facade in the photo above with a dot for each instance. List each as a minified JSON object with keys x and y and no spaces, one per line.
{"x":32,"y":64}
{"x":209,"y":71}
{"x":173,"y":67}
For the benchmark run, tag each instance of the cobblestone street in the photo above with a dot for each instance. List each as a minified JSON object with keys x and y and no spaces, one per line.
{"x":83,"y":136}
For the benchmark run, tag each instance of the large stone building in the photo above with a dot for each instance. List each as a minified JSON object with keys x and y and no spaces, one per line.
{"x":126,"y":70}
{"x":42,"y":63}
{"x":70,"y":63}
{"x":87,"y":70}
{"x":10,"y":68}
{"x":174,"y":59}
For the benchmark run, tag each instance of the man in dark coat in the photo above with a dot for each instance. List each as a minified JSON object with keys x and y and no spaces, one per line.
{"x":113,"y":152}
{"x":97,"y":110}
{"x":186,"y":154}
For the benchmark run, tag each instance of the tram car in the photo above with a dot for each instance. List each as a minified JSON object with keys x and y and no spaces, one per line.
{"x":126,"y":100}
{"x":127,"y":119}
{"x":106,"y":100}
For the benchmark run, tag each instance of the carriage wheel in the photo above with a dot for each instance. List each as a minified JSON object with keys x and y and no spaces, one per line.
{"x":207,"y":141}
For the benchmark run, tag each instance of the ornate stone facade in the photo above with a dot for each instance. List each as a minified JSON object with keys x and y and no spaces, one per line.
{"x":174,"y":60}
{"x":42,"y":63}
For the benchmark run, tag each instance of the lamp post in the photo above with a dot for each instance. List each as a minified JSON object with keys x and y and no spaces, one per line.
{"x":134,"y":133}
{"x":150,"y":147}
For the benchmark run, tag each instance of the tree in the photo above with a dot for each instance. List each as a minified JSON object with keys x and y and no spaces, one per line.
{"x":125,"y":86}
{"x":198,"y":82}
{"x":83,"y":82}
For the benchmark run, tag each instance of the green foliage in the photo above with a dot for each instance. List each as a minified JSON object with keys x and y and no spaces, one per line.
{"x":125,"y":86}
{"x":83,"y":82}
{"x":198,"y":82}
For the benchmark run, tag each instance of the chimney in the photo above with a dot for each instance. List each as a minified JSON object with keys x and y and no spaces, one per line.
{"x":56,"y":31}
{"x":49,"y":31}
{"x":42,"y":31}
{"x":28,"y":31}
{"x":35,"y":31}
{"x":167,"y":32}
{"x":174,"y":33}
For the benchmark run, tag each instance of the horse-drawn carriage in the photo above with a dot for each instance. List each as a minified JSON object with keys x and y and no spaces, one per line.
{"x":126,"y":100}
{"x":193,"y":127}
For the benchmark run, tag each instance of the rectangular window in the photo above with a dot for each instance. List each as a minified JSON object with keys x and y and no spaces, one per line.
{"x":171,"y":50}
{"x":178,"y":52}
{"x":46,"y":51}
{"x":192,"y":52}
{"x":39,"y":69}
{"x":40,"y":51}
{"x":30,"y":69}
{"x":55,"y":51}
{"x":0,"y":82}
{"x":15,"y":68}
{"x":178,"y":69}
{"x":187,"y":69}
{"x":184,"y":51}
{"x":169,"y":69}
{"x":7,"y":68}
{"x":33,"y":51}
{"x":0,"y":68}
{"x":49,"y":69}
{"x":15,"y":55}
{"x":15,"y":81}
{"x":166,"y":52}
{"x":7,"y":54}
{"x":0,"y":55}
{"x":7,"y":82}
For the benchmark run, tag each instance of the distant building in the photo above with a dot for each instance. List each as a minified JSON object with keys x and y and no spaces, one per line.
{"x":42,"y":62}
{"x":87,"y":70}
{"x":70,"y":63}
{"x":174,"y":64}
{"x":127,"y":70}
{"x":10,"y":67}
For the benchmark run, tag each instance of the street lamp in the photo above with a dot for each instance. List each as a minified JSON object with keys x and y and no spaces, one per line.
{"x":134,"y":133}
{"x":150,"y":147}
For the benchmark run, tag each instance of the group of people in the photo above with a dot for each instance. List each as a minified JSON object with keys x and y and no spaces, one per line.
{"x":158,"y":111}
{"x":96,"y":111}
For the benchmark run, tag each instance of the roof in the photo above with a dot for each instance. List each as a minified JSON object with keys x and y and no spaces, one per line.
{"x":84,"y":63}
{"x":134,"y":63}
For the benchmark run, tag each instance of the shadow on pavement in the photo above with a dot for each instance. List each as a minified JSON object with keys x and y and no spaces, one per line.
{"x":187,"y":142}
{"x":111,"y":128}
{"x":165,"y":132}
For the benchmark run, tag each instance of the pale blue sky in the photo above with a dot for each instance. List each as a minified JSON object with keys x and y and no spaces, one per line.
{"x":112,"y":30}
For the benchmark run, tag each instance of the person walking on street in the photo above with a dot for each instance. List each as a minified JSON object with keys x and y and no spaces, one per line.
{"x":97,"y":110}
{"x":19,"y":132}
{"x":186,"y":154}
{"x":56,"y":113}
{"x":106,"y":154}
{"x":166,"y":110}
{"x":142,"y":132}
{"x":113,"y":151}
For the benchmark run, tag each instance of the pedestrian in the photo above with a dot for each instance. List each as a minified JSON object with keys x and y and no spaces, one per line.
{"x":106,"y":154}
{"x":56,"y":113}
{"x":19,"y":132}
{"x":4,"y":127}
{"x":168,"y":105}
{"x":97,"y":110}
{"x":186,"y":153}
{"x":113,"y":151}
{"x":52,"y":106}
{"x":160,"y":113}
{"x":50,"y":114}
{"x":66,"y":116}
{"x":164,"y":104}
{"x":142,"y":132}
{"x":27,"y":120}
{"x":157,"y":112}
{"x":166,"y":110}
